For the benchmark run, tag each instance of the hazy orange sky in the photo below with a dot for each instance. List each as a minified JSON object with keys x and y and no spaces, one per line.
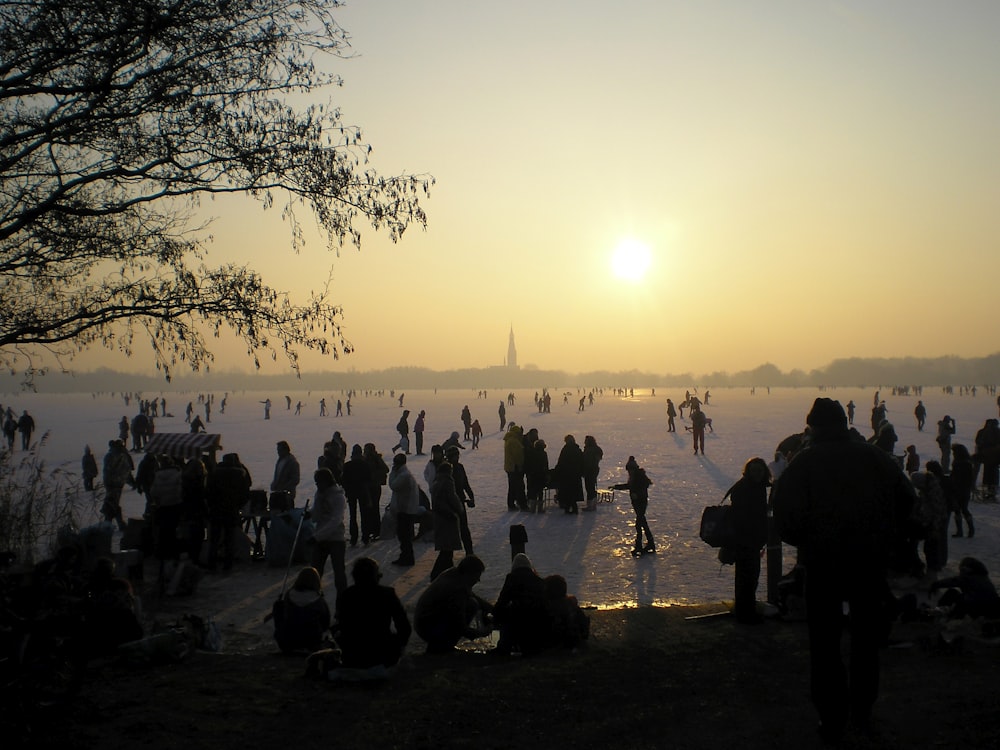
{"x":813,"y":180}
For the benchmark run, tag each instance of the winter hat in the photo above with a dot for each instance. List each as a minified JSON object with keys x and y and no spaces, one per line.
{"x":827,"y":416}
{"x":520,"y":560}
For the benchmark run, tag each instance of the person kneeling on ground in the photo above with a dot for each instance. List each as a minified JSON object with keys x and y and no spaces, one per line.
{"x":447,"y":610}
{"x":302,"y":615}
{"x":520,"y":612}
{"x":367,"y":612}
{"x":969,"y":594}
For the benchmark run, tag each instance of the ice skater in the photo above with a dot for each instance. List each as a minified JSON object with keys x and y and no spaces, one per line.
{"x":638,"y":492}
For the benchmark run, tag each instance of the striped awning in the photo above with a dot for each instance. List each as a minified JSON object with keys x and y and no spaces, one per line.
{"x":183,"y":444}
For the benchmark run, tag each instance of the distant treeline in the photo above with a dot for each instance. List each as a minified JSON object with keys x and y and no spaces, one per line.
{"x":908,"y":371}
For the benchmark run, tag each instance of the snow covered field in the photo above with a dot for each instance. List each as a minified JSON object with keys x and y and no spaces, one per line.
{"x":592,"y":550}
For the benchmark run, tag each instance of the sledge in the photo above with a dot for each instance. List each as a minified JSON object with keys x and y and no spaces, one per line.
{"x":710,"y":615}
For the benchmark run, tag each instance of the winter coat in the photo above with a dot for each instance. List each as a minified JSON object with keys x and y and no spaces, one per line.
{"x":329,"y":507}
{"x":843,"y":503}
{"x":357,"y":479}
{"x":301,"y":618}
{"x":536,"y":466}
{"x":447,"y":509}
{"x":749,"y":514}
{"x":227,"y":490}
{"x":366,"y":616}
{"x":89,"y":465}
{"x":638,"y":485}
{"x":592,"y":455}
{"x":117,"y":467}
{"x":286,"y":475}
{"x":167,"y":489}
{"x":378,"y":469}
{"x":569,"y":473}
{"x":405,"y":493}
{"x":513,"y":450}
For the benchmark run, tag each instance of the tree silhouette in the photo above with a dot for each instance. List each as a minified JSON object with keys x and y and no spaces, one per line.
{"x":116,"y":117}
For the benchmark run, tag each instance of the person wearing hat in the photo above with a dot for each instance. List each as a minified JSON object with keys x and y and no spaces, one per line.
{"x":465,"y":494}
{"x":844,"y":504}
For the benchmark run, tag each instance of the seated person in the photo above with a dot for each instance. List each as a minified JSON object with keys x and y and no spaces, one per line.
{"x":447,"y":610}
{"x":366,"y":615}
{"x":520,"y":611}
{"x":969,"y":594}
{"x":302,"y":616}
{"x":569,"y":624}
{"x":111,"y":618}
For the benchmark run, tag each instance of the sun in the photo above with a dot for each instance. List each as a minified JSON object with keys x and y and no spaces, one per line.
{"x":631,"y":260}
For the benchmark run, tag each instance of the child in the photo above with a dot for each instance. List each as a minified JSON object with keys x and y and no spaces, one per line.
{"x":638,"y":491}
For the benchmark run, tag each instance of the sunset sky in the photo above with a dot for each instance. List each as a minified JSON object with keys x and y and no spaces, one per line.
{"x":812,"y":181}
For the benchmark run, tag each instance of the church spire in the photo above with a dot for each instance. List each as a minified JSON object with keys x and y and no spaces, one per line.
{"x":511,"y":350}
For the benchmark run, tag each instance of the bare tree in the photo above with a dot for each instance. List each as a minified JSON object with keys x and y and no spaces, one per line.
{"x":116,"y":116}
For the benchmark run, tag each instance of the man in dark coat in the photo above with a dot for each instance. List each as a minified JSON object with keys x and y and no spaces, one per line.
{"x":227,"y":491}
{"x":26,"y":426}
{"x":356,"y":480}
{"x":842,"y":501}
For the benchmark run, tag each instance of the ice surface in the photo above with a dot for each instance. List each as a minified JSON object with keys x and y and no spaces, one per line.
{"x":592,"y":550}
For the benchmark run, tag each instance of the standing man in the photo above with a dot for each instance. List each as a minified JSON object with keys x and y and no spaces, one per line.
{"x":227,"y":490}
{"x":842,"y":502}
{"x":26,"y":426}
{"x":356,"y":479}
{"x":698,"y":422}
{"x":453,"y":455}
{"x":671,"y":415}
{"x":920,"y":412}
{"x":513,"y":465}
{"x":286,"y":473}
{"x":466,"y":423}
{"x":418,"y":432}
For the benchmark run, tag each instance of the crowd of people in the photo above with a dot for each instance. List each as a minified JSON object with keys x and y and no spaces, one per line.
{"x":856,"y":513}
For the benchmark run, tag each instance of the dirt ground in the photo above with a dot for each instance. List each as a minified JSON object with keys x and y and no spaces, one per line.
{"x":648,"y":678}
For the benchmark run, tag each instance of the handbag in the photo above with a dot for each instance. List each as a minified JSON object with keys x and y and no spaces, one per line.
{"x":717,"y":526}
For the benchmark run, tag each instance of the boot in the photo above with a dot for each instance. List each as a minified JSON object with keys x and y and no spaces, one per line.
{"x":972,"y":528}
{"x":958,"y":526}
